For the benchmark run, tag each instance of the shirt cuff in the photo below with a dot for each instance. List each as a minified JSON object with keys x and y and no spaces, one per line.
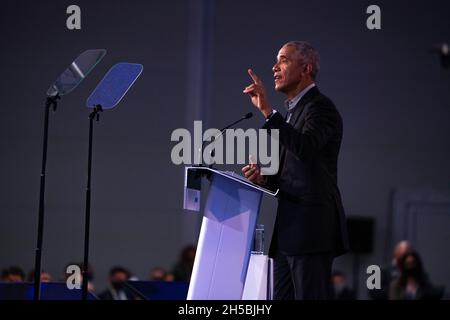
{"x":271,"y":115}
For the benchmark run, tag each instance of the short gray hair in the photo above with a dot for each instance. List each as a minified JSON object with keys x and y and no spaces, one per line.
{"x":308,"y":54}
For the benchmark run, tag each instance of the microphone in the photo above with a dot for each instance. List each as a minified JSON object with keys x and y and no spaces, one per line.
{"x":245,"y":117}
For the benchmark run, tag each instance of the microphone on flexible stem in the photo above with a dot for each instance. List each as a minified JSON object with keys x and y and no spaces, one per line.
{"x":246,"y":116}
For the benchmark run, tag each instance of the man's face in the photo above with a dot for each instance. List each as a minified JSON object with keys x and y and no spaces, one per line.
{"x":287,"y":71}
{"x":117,"y":280}
{"x":119,"y":277}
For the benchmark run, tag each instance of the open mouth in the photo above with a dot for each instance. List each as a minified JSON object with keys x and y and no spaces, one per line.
{"x":276,"y":77}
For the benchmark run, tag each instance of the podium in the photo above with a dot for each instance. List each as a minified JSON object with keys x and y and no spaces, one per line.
{"x":226,"y":234}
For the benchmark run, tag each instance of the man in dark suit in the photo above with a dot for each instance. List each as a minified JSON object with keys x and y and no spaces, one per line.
{"x":310,"y":228}
{"x":118,"y":290}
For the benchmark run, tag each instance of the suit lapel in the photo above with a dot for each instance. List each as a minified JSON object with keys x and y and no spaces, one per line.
{"x":300,"y":107}
{"x":298,"y":111}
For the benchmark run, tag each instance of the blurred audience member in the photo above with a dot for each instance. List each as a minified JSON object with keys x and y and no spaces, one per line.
{"x":158,"y":274}
{"x":118,"y":276}
{"x":412,"y":283}
{"x":170,"y":277}
{"x":341,"y":289}
{"x":45,"y":276}
{"x":13,"y":274}
{"x":183,"y":268}
{"x":391,"y":272}
{"x":402,"y":248}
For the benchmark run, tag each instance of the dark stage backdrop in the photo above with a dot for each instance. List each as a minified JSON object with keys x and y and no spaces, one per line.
{"x":392,"y":93}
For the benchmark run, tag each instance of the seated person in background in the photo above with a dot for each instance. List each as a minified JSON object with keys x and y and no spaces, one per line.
{"x":391,"y":272}
{"x":169,"y":277}
{"x":340,"y":287}
{"x":45,"y":276}
{"x":158,"y":274}
{"x":402,"y":248}
{"x":183,"y":268}
{"x":412,"y":283}
{"x":13,"y":274}
{"x":118,"y":276}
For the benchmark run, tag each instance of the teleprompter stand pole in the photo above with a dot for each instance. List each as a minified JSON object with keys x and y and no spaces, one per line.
{"x":51,"y":102}
{"x":95,"y":114}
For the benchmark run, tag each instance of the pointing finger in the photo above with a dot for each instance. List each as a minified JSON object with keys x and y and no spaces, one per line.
{"x":253,"y":76}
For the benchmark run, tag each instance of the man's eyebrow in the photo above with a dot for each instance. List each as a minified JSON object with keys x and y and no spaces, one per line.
{"x":282,"y":56}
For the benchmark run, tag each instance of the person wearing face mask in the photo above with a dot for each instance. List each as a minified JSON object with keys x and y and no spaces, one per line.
{"x":117,"y":290}
{"x":310,"y":227}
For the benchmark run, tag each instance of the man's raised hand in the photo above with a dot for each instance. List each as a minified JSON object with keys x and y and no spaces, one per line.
{"x":257,"y":93}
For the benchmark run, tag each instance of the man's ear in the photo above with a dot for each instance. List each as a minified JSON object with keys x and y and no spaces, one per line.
{"x":308,"y":68}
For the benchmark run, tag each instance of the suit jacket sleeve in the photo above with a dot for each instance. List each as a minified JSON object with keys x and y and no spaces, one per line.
{"x":321,"y":121}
